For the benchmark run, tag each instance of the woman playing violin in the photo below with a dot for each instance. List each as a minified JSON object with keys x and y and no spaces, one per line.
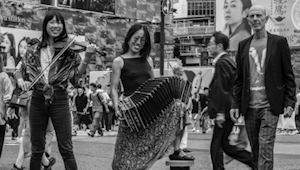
{"x":50,"y":97}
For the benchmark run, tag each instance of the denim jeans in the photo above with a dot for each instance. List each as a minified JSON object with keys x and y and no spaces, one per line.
{"x":59,"y":113}
{"x":97,"y":124}
{"x":108,"y":120}
{"x":25,"y":145}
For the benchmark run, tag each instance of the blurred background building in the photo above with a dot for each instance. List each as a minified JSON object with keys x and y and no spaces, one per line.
{"x":194,"y":23}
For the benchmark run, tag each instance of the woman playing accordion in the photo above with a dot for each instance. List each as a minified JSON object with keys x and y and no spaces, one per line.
{"x":140,"y":149}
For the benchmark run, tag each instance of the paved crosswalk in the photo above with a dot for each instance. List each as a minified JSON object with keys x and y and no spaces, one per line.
{"x":84,"y":135}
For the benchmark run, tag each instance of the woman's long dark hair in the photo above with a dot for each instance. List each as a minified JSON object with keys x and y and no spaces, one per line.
{"x":145,"y":52}
{"x":26,"y":39}
{"x":49,"y":16}
{"x":12,"y":40}
{"x":247,"y":5}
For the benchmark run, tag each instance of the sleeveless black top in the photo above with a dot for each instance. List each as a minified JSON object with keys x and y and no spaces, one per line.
{"x":134,"y":73}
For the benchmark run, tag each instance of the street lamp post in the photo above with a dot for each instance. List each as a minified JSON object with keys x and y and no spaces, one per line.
{"x":162,"y":40}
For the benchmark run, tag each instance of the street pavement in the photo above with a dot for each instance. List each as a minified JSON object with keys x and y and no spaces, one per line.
{"x":96,"y":153}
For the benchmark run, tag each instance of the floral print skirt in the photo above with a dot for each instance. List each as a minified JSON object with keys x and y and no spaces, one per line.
{"x":140,"y":150}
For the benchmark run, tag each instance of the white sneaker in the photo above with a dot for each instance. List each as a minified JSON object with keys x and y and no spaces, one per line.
{"x":294,"y":132}
{"x":284,"y":132}
{"x":19,"y":139}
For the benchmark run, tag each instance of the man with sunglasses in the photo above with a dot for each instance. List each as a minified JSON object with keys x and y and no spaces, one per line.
{"x":219,"y":104}
{"x":264,"y":87}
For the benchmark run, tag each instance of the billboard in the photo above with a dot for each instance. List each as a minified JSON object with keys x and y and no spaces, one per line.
{"x":102,"y":6}
{"x":284,"y":19}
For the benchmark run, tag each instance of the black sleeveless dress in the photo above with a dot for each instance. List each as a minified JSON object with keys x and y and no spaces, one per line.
{"x":140,"y":150}
{"x":135,"y":72}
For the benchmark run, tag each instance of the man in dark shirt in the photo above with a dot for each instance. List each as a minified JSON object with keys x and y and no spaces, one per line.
{"x":81,"y":106}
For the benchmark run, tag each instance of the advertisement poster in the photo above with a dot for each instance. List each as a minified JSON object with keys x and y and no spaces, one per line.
{"x":14,"y":46}
{"x":145,"y":10}
{"x":16,"y":15}
{"x":48,"y":2}
{"x":102,"y":6}
{"x":28,"y":2}
{"x":284,"y":19}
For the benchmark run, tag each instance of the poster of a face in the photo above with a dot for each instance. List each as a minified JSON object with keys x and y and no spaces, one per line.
{"x":231,"y":19}
{"x":15,"y":45}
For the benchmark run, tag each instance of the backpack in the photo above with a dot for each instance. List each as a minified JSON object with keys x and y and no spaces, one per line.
{"x":99,"y":97}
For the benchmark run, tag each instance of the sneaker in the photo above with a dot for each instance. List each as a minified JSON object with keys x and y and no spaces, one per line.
{"x":16,"y":168}
{"x":294,"y":132}
{"x":283,"y":132}
{"x":194,"y":129}
{"x":186,"y":150}
{"x":52,"y":161}
{"x":209,"y":130}
{"x":197,"y":131}
{"x":100,"y":134}
{"x":91,"y":134}
{"x":74,"y":133}
{"x":227,"y":159}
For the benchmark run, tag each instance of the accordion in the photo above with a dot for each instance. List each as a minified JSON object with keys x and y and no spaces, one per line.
{"x":149,"y":101}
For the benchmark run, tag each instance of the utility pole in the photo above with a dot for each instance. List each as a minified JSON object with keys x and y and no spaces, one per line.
{"x":162,"y":40}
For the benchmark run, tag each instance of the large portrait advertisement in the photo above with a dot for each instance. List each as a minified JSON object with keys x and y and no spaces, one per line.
{"x":14,"y":46}
{"x":284,"y":19}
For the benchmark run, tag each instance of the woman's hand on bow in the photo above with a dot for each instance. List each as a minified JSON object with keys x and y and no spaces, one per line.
{"x":24,"y":85}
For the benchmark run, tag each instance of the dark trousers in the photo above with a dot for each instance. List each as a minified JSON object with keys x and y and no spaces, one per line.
{"x":108,"y":116}
{"x":261,"y":127}
{"x":14,"y":123}
{"x":60,"y":115}
{"x":2,"y":136}
{"x":97,"y":124}
{"x":220,"y":144}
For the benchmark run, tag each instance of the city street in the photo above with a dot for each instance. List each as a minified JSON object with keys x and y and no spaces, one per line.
{"x":96,"y":153}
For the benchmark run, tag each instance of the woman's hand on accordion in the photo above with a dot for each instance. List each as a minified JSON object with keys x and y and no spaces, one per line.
{"x":119,"y":115}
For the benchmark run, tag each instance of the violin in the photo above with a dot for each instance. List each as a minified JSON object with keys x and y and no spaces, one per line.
{"x":76,"y":46}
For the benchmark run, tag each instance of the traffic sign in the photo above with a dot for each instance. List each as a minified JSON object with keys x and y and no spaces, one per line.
{"x":166,"y":7}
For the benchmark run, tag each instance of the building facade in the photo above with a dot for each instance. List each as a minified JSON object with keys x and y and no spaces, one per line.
{"x":194,"y":24}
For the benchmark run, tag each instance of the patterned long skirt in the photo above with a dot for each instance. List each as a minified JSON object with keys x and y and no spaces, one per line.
{"x":140,"y":150}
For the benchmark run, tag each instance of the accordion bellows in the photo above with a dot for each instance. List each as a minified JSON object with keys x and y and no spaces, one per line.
{"x":150,"y":100}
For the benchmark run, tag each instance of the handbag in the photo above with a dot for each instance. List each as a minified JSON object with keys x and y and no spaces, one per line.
{"x":20,"y":98}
